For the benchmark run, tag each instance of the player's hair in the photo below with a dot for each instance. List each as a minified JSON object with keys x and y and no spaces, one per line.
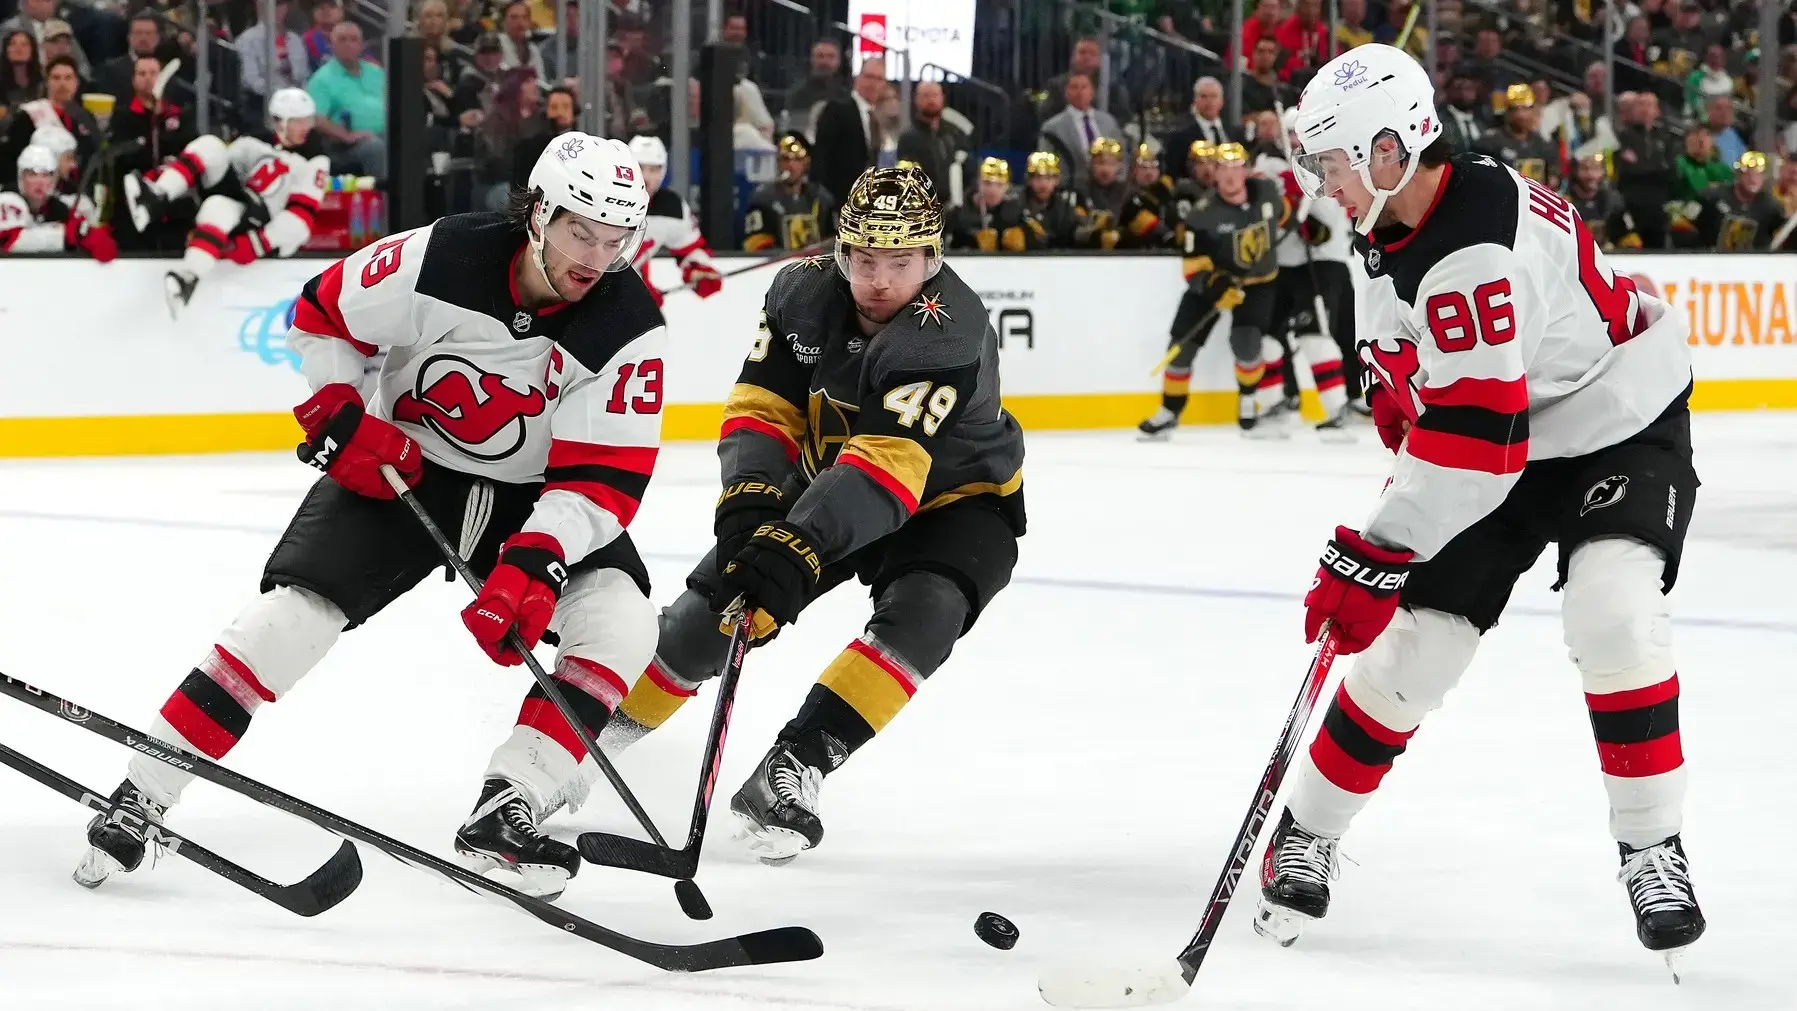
{"x":519,"y":202}
{"x":1437,"y":153}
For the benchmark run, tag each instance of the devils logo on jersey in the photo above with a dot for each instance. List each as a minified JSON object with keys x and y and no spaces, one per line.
{"x":1396,"y":367}
{"x":475,"y":410}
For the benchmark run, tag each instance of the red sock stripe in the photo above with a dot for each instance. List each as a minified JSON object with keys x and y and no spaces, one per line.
{"x":541,"y":714}
{"x":598,"y":681}
{"x":242,"y":670}
{"x":885,"y":663}
{"x":654,"y":673}
{"x":209,"y":240}
{"x":196,"y":728}
{"x":1639,"y":698}
{"x":1274,"y":376}
{"x":1373,"y":728}
{"x":1338,"y":768}
{"x":1637,"y":761}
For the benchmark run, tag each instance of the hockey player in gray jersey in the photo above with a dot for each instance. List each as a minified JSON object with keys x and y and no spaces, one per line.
{"x":863,"y":439}
{"x":1532,"y":394}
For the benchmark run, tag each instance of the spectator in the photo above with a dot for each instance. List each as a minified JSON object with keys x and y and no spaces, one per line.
{"x":1496,"y":78}
{"x":291,"y":68}
{"x":433,"y":30}
{"x":36,"y":17}
{"x":1719,"y":116}
{"x":1603,"y":212}
{"x":891,"y":114}
{"x":21,"y":73}
{"x":1086,"y":59}
{"x":1396,"y":13}
{"x":59,"y":40}
{"x":159,"y":127}
{"x":1261,"y":86}
{"x":115,"y":76}
{"x":1350,"y":28}
{"x":1740,"y":216}
{"x":1679,"y":44}
{"x":60,"y":106}
{"x":823,"y":83}
{"x":557,"y":119}
{"x":1071,"y":132}
{"x":1262,"y":24}
{"x":1574,"y":118}
{"x":848,"y":132}
{"x":511,"y":121}
{"x":930,"y":142}
{"x":351,"y":94}
{"x":734,"y":30}
{"x":752,"y":127}
{"x":1205,"y":122}
{"x":1635,"y":75}
{"x":640,"y":66}
{"x":519,"y":49}
{"x":1305,"y":38}
{"x":1711,"y":80}
{"x":439,"y":118}
{"x":1646,"y":170}
{"x":622,"y":116}
{"x":1699,"y":167}
{"x":326,"y":16}
{"x":478,"y":81}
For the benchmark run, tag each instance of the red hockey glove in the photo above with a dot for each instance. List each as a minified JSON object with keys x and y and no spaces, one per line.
{"x":1356,"y":589}
{"x":704,"y":278}
{"x":242,"y":251}
{"x":1387,"y":417}
{"x":99,"y":244}
{"x":519,"y":596}
{"x":349,"y":445}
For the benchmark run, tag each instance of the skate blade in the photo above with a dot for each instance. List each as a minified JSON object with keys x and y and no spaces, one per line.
{"x":1280,"y":925}
{"x":140,"y":216}
{"x":773,"y":846}
{"x":171,"y":296}
{"x":541,"y":881}
{"x":95,"y":867}
{"x":1675,"y":958}
{"x":1166,"y":436}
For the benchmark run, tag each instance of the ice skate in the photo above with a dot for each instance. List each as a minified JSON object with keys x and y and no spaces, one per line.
{"x":117,"y":838}
{"x":1658,"y":879}
{"x":1158,"y":428}
{"x":1294,"y":881}
{"x":502,"y":834}
{"x":1261,"y":425}
{"x":777,"y":807}
{"x":145,"y":203}
{"x":1335,"y":428}
{"x":177,"y":288}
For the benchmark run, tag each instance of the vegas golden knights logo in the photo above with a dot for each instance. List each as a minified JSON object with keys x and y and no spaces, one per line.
{"x":1532,"y":168}
{"x":801,"y":229}
{"x":828,"y":424}
{"x":1251,"y":244}
{"x":1737,"y":234}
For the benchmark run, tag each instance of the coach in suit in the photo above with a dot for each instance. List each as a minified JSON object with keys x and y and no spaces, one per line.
{"x":849,"y":135}
{"x":1070,"y":132}
{"x":1204,"y":121}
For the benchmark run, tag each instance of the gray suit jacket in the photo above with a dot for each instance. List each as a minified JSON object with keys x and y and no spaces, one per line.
{"x":1064,"y":134}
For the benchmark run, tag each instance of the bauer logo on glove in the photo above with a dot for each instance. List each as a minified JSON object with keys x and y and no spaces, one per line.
{"x":1381,"y":582}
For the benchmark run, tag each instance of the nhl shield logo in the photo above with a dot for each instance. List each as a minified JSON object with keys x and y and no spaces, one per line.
{"x":1605,"y":493}
{"x":1373,"y":259}
{"x":521,"y":322}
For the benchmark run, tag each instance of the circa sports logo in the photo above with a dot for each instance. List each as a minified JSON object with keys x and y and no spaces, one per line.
{"x":471,"y":408}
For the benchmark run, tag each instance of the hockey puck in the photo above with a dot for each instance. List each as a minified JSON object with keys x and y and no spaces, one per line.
{"x":996,"y":931}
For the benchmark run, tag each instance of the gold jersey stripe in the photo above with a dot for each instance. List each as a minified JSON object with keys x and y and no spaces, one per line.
{"x":1010,"y":487}
{"x":902,"y":459}
{"x":751,"y":403}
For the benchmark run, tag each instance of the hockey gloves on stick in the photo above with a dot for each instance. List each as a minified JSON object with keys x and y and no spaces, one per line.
{"x":519,"y":596}
{"x":94,"y":240}
{"x":1387,"y":417}
{"x":703,"y":278}
{"x":345,"y":442}
{"x":1356,"y":588}
{"x":776,"y":571}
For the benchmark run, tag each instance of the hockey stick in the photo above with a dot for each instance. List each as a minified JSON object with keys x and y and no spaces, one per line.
{"x":1784,"y":232}
{"x":620,"y":851}
{"x":767,"y":261}
{"x":686,"y":891}
{"x":1173,"y":350}
{"x":318,"y":891}
{"x":1298,"y":216}
{"x":1409,"y":23}
{"x":763,"y":947}
{"x":1140,"y":986}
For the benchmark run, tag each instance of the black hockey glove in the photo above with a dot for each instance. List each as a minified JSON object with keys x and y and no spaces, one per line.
{"x":741,"y":510}
{"x":777,"y":571}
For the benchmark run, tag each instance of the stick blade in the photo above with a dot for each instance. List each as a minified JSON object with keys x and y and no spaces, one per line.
{"x":629,"y":854}
{"x":325,"y":887}
{"x":1098,"y":987}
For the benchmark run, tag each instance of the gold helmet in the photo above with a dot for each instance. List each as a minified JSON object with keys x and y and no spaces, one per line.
{"x":1044,"y":163}
{"x":891,"y":208}
{"x":995,"y":170}
{"x":1751,"y":160}
{"x":1106,"y":147}
{"x":794,"y":145}
{"x":1202,"y":150}
{"x":1147,"y":154}
{"x":1519,"y":96}
{"x":1232,"y":154}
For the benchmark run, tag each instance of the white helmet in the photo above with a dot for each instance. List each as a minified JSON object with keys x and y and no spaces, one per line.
{"x":291,"y":103}
{"x":648,"y":150}
{"x":596,"y":179}
{"x":53,"y":138}
{"x":37,"y":158}
{"x":1356,"y":99}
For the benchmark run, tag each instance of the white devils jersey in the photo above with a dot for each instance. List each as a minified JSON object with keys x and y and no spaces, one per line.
{"x":670,"y":227}
{"x":1504,"y":334}
{"x":23,"y":230}
{"x":275,"y":175}
{"x":428,"y":326}
{"x":1291,"y":251}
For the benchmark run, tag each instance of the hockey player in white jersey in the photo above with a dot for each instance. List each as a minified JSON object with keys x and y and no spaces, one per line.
{"x":511,"y":368}
{"x":37,"y":219}
{"x":1532,"y":395}
{"x":256,"y":199}
{"x":671,"y":226}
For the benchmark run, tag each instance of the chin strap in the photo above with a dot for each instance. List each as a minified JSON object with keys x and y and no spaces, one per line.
{"x":536,"y":258}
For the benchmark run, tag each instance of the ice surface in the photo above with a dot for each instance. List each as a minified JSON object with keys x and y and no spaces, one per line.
{"x":1080,"y":765}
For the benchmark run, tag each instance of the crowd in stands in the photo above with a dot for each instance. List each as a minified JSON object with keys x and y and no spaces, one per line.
{"x":1522,"y":80}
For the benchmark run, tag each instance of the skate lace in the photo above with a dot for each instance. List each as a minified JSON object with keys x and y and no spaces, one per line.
{"x":517,"y":815}
{"x":151,"y":813}
{"x":1307,"y":857}
{"x":1658,"y":880}
{"x":795,"y":782}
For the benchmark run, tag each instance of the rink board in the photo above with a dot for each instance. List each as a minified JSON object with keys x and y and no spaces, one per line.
{"x":96,"y":367}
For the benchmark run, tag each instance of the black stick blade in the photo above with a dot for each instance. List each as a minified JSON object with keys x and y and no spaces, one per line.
{"x":609,"y":850}
{"x":330,"y":884}
{"x":763,"y":947}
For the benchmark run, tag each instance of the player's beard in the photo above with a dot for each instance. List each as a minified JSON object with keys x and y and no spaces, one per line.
{"x":862,"y":312}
